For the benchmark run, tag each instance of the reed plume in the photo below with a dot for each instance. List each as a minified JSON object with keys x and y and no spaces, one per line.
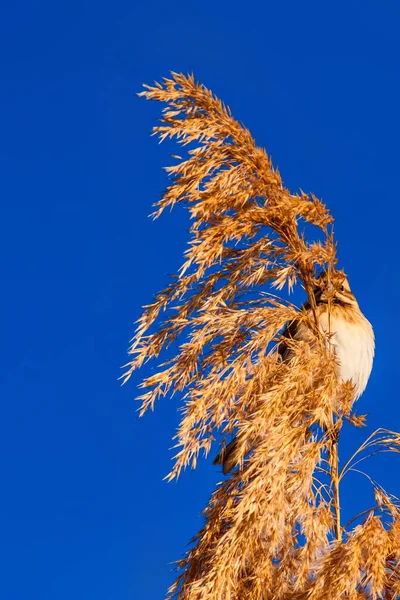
{"x":272,"y":529}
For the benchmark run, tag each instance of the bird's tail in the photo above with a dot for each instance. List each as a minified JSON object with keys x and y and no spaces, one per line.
{"x":227,"y":457}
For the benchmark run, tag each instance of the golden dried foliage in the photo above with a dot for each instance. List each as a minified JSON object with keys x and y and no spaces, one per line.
{"x":272,"y":528}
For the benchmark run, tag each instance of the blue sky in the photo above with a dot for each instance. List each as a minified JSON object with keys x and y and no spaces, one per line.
{"x":84,"y":512}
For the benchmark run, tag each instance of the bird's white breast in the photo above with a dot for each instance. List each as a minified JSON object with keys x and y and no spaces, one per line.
{"x":353,"y":344}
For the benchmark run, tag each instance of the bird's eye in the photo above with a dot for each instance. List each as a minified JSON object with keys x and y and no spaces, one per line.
{"x":342,"y":288}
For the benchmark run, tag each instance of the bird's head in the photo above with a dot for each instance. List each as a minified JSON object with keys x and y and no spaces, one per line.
{"x":333,"y":287}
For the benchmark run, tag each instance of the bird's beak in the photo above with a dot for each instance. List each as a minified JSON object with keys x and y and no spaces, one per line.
{"x":323,"y":294}
{"x":318,"y":294}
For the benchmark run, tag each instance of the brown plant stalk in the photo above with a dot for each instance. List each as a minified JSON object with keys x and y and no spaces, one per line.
{"x":272,"y":528}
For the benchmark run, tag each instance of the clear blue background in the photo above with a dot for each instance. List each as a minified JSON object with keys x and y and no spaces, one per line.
{"x":84,"y":511}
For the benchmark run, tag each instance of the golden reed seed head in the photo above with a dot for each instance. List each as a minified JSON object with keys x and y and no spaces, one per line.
{"x":272,"y":528}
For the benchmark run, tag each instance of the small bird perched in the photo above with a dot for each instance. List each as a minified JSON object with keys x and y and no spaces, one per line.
{"x":350,"y":335}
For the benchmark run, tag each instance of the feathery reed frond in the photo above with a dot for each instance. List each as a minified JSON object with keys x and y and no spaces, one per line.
{"x":272,"y":528}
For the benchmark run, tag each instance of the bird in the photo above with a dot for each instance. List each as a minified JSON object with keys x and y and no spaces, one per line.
{"x":350,"y":334}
